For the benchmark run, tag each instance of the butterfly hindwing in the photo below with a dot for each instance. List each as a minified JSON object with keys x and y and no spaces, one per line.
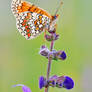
{"x":31,"y":24}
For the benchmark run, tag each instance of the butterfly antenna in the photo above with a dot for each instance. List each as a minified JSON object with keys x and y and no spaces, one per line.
{"x":36,"y":1}
{"x":58,"y":7}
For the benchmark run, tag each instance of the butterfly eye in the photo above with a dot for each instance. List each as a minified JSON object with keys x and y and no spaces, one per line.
{"x":56,"y":16}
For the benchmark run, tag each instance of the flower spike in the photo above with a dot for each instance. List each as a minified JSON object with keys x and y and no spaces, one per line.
{"x":56,"y":81}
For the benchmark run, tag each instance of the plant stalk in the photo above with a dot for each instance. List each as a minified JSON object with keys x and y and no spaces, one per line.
{"x":49,"y":64}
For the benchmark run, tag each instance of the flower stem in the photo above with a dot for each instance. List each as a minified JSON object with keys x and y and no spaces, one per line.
{"x":49,"y":64}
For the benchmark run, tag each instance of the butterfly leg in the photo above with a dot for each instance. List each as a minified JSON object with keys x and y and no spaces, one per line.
{"x":55,"y":28}
{"x":44,"y":35}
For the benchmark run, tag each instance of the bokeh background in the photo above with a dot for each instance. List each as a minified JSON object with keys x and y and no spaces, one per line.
{"x":20,"y":62}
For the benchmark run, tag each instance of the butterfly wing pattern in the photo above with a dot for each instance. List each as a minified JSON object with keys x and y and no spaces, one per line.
{"x":30,"y":19}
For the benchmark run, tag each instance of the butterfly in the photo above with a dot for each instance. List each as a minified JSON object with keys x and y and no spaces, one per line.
{"x":31,"y":20}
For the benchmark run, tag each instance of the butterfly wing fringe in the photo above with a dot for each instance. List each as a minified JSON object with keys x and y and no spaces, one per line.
{"x":14,"y":5}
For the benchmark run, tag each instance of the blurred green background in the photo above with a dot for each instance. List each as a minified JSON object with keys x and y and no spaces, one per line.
{"x":20,"y":62}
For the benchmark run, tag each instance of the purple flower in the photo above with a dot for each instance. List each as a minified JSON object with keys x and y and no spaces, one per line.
{"x":24,"y":88}
{"x":68,"y":83}
{"x":60,"y":85}
{"x":53,"y":82}
{"x":61,"y":55}
{"x":41,"y":82}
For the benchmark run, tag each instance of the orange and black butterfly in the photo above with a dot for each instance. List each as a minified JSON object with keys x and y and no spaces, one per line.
{"x":31,"y":20}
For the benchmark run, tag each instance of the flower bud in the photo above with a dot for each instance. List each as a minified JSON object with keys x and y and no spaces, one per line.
{"x":44,"y":51}
{"x":42,"y":82}
{"x":68,"y":83}
{"x":61,"y":55}
{"x":52,"y":54}
{"x":51,"y":37}
{"x":52,"y":31}
{"x":52,"y":81}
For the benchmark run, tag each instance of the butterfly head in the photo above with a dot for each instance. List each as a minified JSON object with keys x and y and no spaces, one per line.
{"x":55,"y":17}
